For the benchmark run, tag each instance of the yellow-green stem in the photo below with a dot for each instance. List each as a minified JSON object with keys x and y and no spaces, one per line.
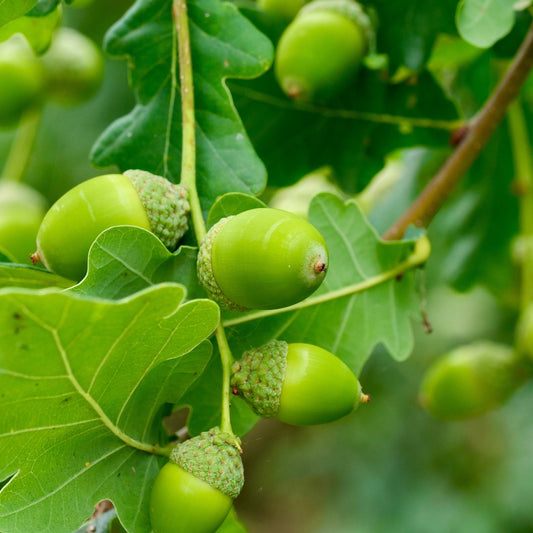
{"x":188,"y":152}
{"x":188,"y":179}
{"x":21,"y":148}
{"x":523,"y":168}
{"x":418,"y":257}
{"x":227,"y":360}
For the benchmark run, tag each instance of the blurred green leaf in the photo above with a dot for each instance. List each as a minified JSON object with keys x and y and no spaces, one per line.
{"x":483,"y":22}
{"x":37,"y":30}
{"x":407,"y":29}
{"x":224,"y":45}
{"x":43,"y":8}
{"x":13,"y":9}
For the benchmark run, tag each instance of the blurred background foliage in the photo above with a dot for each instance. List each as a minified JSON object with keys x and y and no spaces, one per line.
{"x":390,"y":467}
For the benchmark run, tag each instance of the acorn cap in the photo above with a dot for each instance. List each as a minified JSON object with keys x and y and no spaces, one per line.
{"x":165,"y":203}
{"x":214,"y":457}
{"x":206,"y":275}
{"x":259,"y":375}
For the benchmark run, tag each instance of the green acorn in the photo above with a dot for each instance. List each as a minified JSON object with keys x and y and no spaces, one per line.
{"x":471,"y":380}
{"x":21,"y":79}
{"x":321,"y":50}
{"x":74,"y":67}
{"x":135,"y":198}
{"x":21,"y":212}
{"x":194,"y":491}
{"x":299,"y":384}
{"x":261,"y":259}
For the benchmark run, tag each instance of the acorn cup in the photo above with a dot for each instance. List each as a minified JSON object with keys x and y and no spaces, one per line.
{"x":194,"y":491}
{"x":135,"y":198}
{"x":261,"y":259}
{"x":299,"y":384}
{"x":471,"y":380}
{"x":321,"y":51}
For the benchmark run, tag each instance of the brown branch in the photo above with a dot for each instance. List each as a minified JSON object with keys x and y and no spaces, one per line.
{"x":480,"y":129}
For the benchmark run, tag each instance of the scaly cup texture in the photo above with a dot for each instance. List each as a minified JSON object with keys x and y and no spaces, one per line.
{"x":300,"y":384}
{"x":262,"y":259}
{"x":135,"y":198}
{"x":194,"y":491}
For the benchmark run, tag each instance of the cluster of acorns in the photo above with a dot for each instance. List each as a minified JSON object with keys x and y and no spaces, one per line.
{"x":259,"y":259}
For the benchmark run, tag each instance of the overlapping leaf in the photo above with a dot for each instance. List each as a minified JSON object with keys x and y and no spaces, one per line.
{"x":81,"y":383}
{"x":224,"y":45}
{"x":13,"y":275}
{"x":127,"y":259}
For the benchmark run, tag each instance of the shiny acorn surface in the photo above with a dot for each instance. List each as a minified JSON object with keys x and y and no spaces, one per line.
{"x":318,"y":387}
{"x":319,"y":54}
{"x":183,"y":503}
{"x":80,"y":215}
{"x":268,"y":258}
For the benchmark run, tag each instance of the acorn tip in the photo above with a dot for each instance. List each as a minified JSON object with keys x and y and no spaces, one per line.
{"x":365,"y":398}
{"x":35,"y":257}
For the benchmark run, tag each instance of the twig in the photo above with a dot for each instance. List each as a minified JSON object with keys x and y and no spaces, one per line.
{"x":479,"y":131}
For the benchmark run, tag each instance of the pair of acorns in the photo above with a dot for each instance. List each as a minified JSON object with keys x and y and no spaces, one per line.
{"x":299,"y":384}
{"x":259,"y":259}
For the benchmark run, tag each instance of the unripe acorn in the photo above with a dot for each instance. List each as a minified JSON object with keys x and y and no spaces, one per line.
{"x":135,"y":198}
{"x":299,"y":384}
{"x":74,"y":67}
{"x":471,"y":380}
{"x":194,"y":491}
{"x":261,"y":259}
{"x":21,"y":79}
{"x":320,"y":52}
{"x":21,"y":212}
